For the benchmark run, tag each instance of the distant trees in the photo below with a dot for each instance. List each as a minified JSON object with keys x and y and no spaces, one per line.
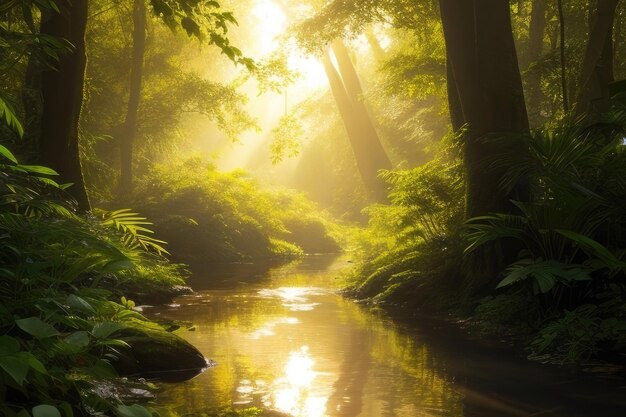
{"x":368,"y":151}
{"x":597,"y":67}
{"x":129,"y":128}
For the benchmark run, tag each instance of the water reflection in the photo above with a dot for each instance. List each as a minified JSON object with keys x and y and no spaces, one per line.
{"x":290,"y":344}
{"x":294,"y":391}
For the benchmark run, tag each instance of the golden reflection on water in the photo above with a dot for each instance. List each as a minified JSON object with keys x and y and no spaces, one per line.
{"x":292,"y":394}
{"x":294,"y":346}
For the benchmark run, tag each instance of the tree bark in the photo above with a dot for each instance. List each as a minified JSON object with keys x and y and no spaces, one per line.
{"x":129,"y":128}
{"x":487,"y":84}
{"x":564,"y":94}
{"x":369,"y":155}
{"x":62,"y":94}
{"x":481,"y":52}
{"x":354,"y":89}
{"x":597,"y":69}
{"x":533,"y":54}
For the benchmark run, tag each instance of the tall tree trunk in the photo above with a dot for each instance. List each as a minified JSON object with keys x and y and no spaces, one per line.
{"x":483,"y":63}
{"x":454,"y":102}
{"x":564,"y":94}
{"x":367,"y":153}
{"x":129,"y":128}
{"x":62,"y":94}
{"x":481,"y":52}
{"x":533,"y":54}
{"x":597,"y":69}
{"x":354,"y":89}
{"x":372,"y":40}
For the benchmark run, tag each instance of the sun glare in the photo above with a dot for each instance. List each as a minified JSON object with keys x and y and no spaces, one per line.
{"x":271,"y":22}
{"x":294,"y":394}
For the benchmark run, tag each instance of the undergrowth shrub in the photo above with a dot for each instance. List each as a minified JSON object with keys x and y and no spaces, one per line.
{"x":413,"y":246}
{"x":207,"y":215}
{"x":59,"y":326}
{"x":571,"y":237}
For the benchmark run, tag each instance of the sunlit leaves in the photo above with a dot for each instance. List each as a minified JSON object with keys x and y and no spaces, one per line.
{"x":8,"y":114}
{"x":133,"y":228}
{"x":286,"y":138}
{"x":204,"y":20}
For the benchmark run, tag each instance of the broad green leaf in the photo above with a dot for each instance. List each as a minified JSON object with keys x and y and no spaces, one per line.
{"x":8,"y":345}
{"x":590,"y":244}
{"x":37,"y":169}
{"x":80,"y":339}
{"x":33,"y":362}
{"x":105,"y":329}
{"x":132,"y":411}
{"x":35,"y":327}
{"x":78,"y":303}
{"x":15,"y":366}
{"x":7,"y":154}
{"x":45,"y":410}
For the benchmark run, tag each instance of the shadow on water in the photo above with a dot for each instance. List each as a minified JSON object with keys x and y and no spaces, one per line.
{"x":284,"y":340}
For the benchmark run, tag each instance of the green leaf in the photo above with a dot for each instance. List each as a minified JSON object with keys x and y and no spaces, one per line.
{"x":7,"y":154}
{"x":133,"y":411}
{"x":80,"y":339}
{"x":78,"y":303}
{"x":596,"y":248}
{"x":15,"y":367}
{"x":7,"y":112}
{"x":45,"y":410}
{"x":33,"y":362}
{"x":105,"y":329}
{"x":38,"y":169}
{"x":35,"y":327}
{"x":8,"y":345}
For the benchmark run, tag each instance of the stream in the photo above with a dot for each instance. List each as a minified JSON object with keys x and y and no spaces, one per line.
{"x":283,"y":339}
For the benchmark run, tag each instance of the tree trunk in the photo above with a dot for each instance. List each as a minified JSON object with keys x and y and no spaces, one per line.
{"x":372,"y":40}
{"x":597,"y":69}
{"x":483,"y":61}
{"x":564,"y":93}
{"x":368,"y":152}
{"x":484,"y":68}
{"x":354,"y":89}
{"x":533,"y":54}
{"x":454,"y":102}
{"x":129,"y":128}
{"x":62,"y":94}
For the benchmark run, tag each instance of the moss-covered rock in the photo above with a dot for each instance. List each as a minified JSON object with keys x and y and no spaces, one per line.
{"x":157,"y":353}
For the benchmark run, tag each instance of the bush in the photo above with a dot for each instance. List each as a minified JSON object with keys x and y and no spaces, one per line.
{"x":59,"y":326}
{"x":206,"y":215}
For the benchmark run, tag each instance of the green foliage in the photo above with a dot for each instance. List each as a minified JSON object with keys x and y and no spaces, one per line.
{"x":571,"y":231}
{"x":133,"y":228}
{"x":582,"y":333}
{"x":204,"y":20}
{"x":59,"y":326}
{"x":569,"y":236}
{"x":411,"y":249}
{"x":286,"y":137}
{"x":208,"y":215}
{"x":511,"y":313}
{"x":8,"y":114}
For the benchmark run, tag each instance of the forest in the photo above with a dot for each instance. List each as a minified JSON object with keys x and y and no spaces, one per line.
{"x":312,"y":208}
